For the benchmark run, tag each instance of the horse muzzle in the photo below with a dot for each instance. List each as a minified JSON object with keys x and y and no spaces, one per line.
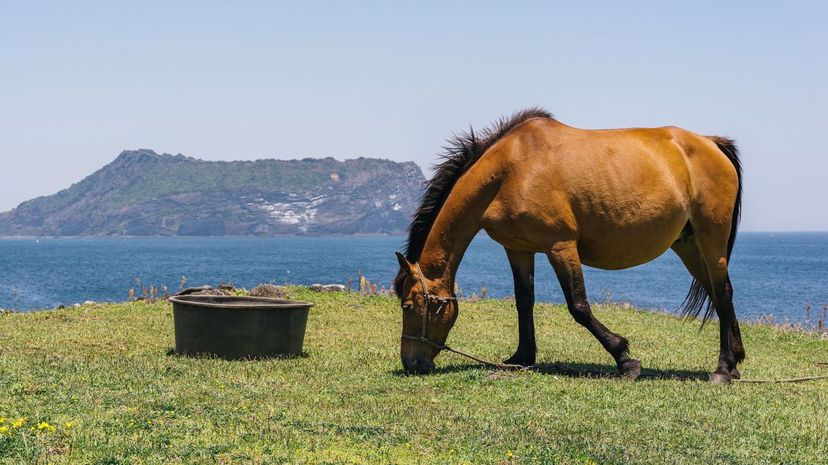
{"x":419,"y":366}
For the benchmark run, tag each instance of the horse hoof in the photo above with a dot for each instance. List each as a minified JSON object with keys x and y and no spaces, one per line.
{"x":720,"y":378}
{"x":519,"y":359}
{"x":630,"y":369}
{"x":734,"y":373}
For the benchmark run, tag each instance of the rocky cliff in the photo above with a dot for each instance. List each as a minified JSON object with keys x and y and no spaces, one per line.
{"x":143,"y":193}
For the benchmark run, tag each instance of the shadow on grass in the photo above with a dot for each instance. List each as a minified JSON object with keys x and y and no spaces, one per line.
{"x":579,"y":370}
{"x":172,"y":353}
{"x":594,"y":370}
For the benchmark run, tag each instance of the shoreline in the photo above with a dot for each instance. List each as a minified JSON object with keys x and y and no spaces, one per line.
{"x":275,"y":236}
{"x":41,"y":276}
{"x":324,"y":235}
{"x":767,"y":320}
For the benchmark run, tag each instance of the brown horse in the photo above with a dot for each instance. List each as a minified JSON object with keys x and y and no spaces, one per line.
{"x":610,"y":199}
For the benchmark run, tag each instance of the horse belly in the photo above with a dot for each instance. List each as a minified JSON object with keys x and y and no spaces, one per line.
{"x":636,"y":237}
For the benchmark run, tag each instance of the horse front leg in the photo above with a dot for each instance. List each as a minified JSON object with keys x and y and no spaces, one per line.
{"x":567,"y":264}
{"x":523,"y":271}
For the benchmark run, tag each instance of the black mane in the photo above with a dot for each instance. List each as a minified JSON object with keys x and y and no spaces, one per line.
{"x":462,"y":151}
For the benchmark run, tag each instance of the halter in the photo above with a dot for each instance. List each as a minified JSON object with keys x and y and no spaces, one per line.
{"x":443,"y":302}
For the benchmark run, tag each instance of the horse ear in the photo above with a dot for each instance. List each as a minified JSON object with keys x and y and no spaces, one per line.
{"x":404,"y":264}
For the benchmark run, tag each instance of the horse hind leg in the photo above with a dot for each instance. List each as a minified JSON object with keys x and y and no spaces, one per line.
{"x":704,"y":255}
{"x":688,"y":251}
{"x":567,"y":265}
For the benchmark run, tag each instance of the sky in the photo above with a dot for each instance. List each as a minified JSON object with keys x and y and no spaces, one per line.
{"x":82,"y":81}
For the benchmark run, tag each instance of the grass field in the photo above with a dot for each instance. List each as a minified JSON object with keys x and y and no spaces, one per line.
{"x":99,"y":384}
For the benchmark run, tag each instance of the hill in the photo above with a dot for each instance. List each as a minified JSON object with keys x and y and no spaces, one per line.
{"x":142,"y":193}
{"x":104,"y":377}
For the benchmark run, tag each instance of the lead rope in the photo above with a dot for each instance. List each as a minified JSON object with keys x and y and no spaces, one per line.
{"x":499,"y":366}
{"x":787,"y":380}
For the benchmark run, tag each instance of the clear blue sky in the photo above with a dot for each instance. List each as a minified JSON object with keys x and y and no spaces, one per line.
{"x":81,"y":81}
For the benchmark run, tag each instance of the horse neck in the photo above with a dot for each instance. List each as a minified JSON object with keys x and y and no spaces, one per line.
{"x":459,"y":220}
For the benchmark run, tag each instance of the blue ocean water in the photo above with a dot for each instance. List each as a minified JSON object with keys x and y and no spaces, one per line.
{"x":773,"y":274}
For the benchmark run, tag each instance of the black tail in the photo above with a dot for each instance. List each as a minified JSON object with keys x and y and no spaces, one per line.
{"x":728,"y":147}
{"x":697,"y":298}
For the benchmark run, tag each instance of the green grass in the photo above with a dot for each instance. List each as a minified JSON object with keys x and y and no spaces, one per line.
{"x":107,"y":370}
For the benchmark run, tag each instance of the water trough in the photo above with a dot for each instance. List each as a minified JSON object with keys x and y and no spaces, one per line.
{"x":235,"y":328}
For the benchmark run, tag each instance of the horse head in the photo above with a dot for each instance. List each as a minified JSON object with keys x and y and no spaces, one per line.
{"x":427,"y":315}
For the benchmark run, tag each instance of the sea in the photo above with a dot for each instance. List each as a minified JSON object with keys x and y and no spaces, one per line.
{"x":777,"y":277}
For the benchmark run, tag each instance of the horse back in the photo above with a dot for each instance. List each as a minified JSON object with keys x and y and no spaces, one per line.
{"x":623,"y":194}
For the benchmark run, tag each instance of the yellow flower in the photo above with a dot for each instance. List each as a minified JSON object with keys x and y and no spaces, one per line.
{"x":509,"y":454}
{"x":44,"y":426}
{"x":4,"y":429}
{"x":19,"y":422}
{"x":69,"y":424}
{"x":2,"y":420}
